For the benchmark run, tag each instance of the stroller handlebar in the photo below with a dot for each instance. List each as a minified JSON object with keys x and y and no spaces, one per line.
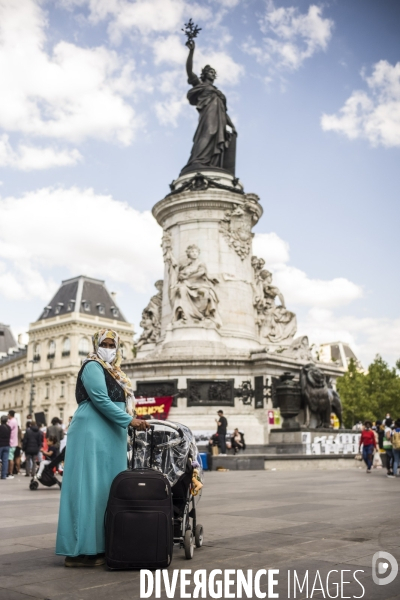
{"x":168,"y":423}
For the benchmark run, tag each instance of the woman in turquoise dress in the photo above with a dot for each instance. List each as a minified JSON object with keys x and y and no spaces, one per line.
{"x":96,"y":452}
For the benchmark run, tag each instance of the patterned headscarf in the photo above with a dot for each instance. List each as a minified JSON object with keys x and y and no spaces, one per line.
{"x":114,"y":368}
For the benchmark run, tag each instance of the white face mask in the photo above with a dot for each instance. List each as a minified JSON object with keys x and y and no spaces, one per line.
{"x":107,"y":354}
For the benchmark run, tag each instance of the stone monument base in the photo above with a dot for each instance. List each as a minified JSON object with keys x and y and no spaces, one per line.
{"x":314,"y":441}
{"x":205,"y":383}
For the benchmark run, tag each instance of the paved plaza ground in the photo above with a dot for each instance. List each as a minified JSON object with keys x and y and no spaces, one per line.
{"x":301,"y":520}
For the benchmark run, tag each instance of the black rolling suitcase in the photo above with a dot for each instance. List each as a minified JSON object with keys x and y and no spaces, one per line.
{"x":139,"y":520}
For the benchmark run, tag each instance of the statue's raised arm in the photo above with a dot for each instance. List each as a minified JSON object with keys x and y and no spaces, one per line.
{"x":192,"y":77}
{"x":214,"y":143}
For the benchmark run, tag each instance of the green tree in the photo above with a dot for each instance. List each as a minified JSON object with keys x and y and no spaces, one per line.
{"x":369,"y":395}
{"x":383,"y":389}
{"x":352,"y":390}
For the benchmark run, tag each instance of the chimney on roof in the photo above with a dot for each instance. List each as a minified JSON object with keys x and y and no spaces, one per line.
{"x":113,"y":295}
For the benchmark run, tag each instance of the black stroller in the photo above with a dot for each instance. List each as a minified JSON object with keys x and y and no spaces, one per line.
{"x":171,"y":449}
{"x":47,"y":477}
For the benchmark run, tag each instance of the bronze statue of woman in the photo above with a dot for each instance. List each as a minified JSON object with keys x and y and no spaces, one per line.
{"x":214,"y":146}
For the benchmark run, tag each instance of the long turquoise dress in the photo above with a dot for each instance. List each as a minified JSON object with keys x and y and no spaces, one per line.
{"x":95,"y":454}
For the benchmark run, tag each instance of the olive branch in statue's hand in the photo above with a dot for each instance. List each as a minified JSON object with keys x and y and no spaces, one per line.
{"x":191,"y":31}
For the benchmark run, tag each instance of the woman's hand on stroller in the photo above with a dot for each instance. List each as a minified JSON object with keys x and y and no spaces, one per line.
{"x":139,"y":424}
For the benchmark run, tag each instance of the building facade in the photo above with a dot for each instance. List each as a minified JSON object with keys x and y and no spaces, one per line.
{"x":58,"y":342}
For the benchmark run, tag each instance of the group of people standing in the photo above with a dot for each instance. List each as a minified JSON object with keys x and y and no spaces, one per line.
{"x":381,"y":438}
{"x":35,"y":445}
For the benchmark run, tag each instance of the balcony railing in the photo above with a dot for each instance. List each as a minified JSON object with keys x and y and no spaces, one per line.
{"x":51,"y":355}
{"x":65,"y":352}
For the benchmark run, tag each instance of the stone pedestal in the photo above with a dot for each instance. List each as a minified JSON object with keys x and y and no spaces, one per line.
{"x":213,"y":335}
{"x":217,"y":217}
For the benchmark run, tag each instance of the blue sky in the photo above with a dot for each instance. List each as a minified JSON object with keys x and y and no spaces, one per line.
{"x":94,"y":125}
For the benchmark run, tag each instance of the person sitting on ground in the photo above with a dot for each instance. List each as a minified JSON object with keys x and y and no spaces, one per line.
{"x":50,"y":453}
{"x":367,"y":441}
{"x":237,"y":441}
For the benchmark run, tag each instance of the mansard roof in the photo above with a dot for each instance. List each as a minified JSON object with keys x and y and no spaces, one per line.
{"x":7,"y":340}
{"x":85,"y":295}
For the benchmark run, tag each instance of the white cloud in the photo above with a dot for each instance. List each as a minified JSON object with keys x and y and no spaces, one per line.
{"x":30,"y":158}
{"x":68,"y":228}
{"x":366,"y":336}
{"x":302,"y":290}
{"x":316,"y":301}
{"x":273,"y":249}
{"x":290,"y":36}
{"x":156,"y":25}
{"x":170,"y":49}
{"x":372,"y":115}
{"x":65,"y":92}
{"x":143,"y":16}
{"x":297,"y":288}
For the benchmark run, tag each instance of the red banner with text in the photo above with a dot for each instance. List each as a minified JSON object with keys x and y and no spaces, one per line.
{"x":158,"y":408}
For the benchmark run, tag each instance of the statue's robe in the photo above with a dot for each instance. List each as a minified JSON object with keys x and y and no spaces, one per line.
{"x":213,"y":144}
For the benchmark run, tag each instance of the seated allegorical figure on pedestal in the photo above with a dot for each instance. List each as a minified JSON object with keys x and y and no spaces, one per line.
{"x":276,"y":323}
{"x":192,"y":292}
{"x":214,"y":145}
{"x":151,"y":318}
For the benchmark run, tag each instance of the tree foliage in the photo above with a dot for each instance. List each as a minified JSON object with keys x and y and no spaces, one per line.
{"x":370,"y":395}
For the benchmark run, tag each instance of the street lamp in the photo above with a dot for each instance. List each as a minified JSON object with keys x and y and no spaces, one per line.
{"x":32,"y":392}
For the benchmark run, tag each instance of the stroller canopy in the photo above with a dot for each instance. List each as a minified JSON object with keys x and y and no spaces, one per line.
{"x":174,"y":450}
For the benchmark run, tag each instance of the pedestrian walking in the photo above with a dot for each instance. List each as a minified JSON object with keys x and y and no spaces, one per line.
{"x":396,"y":447}
{"x":31,"y":445}
{"x":95,"y":453}
{"x":388,"y":446}
{"x":368,"y":443}
{"x":13,"y":424}
{"x":17,"y":454}
{"x":222,"y":425}
{"x":377,"y":461}
{"x":5,"y":433}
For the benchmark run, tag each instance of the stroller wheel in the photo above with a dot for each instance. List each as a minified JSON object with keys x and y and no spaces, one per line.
{"x":198,"y":536}
{"x":33,"y":485}
{"x":188,"y":544}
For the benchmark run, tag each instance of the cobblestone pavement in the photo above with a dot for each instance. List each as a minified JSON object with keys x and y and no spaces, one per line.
{"x":312,"y":520}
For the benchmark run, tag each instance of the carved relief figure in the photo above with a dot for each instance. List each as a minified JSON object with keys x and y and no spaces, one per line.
{"x":191,"y":291}
{"x":276,"y":323}
{"x":236,"y":228}
{"x":151,"y":318}
{"x":299,"y":349}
